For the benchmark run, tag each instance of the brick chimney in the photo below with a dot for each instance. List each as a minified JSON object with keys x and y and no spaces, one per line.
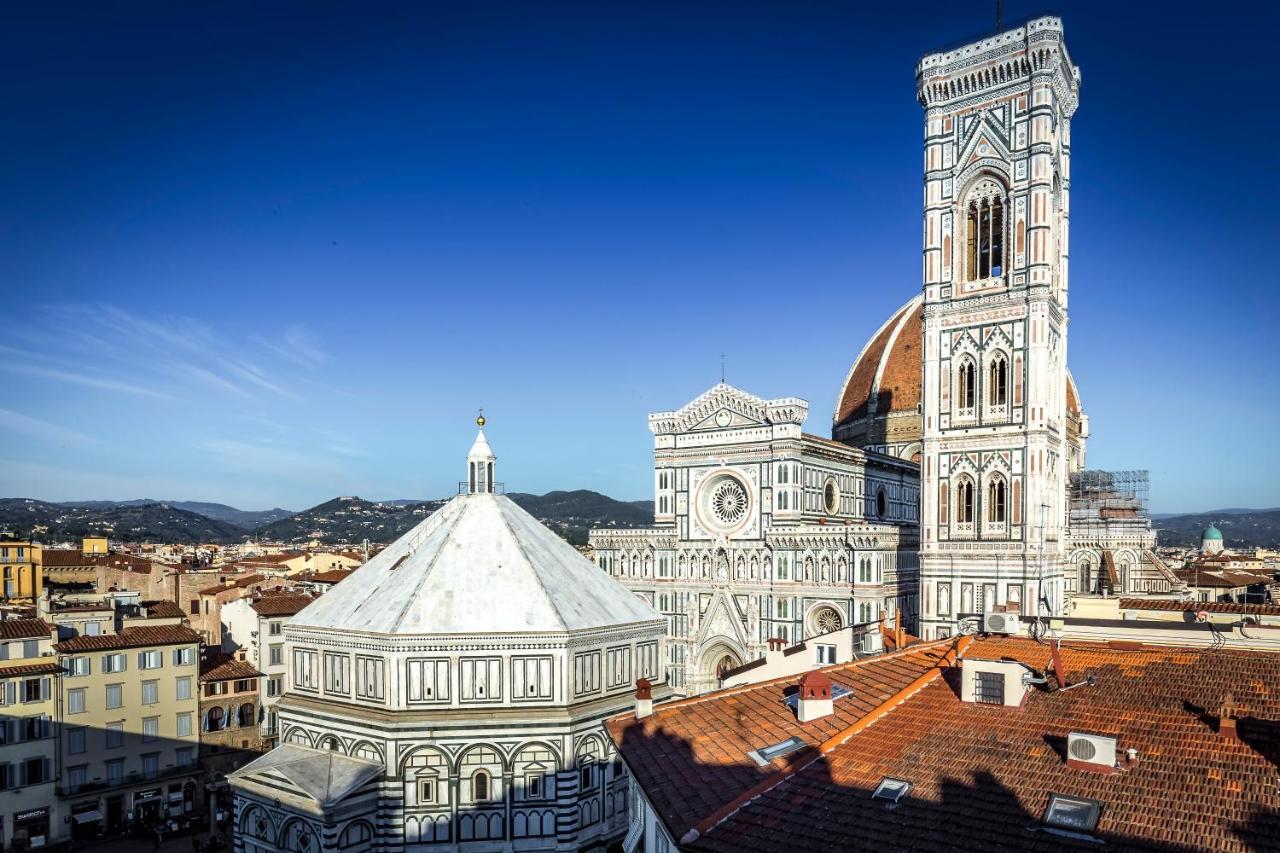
{"x":814,"y":699}
{"x":1227,"y":717}
{"x":776,"y":644}
{"x":644,"y":698}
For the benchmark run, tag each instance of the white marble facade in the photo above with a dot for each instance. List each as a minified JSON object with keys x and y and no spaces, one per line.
{"x":458,"y":681}
{"x":763,"y":531}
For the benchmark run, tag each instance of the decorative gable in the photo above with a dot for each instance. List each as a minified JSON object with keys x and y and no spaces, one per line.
{"x":726,"y":407}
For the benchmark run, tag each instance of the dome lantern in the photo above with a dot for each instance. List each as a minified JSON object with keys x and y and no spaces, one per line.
{"x":480,"y":462}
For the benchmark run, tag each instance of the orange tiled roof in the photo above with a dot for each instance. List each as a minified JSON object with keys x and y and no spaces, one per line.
{"x":131,"y":638}
{"x":248,"y":580}
{"x":23,"y":629}
{"x":982,"y":775}
{"x":48,"y":666}
{"x":1207,"y":606}
{"x":163,"y":610}
{"x":226,"y":668}
{"x":331,"y":576}
{"x":706,"y":739}
{"x":281,"y":604}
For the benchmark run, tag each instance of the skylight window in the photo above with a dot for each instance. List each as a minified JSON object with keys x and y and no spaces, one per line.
{"x":769,"y":753}
{"x":1075,"y":814}
{"x":891,"y":790}
{"x":838,"y":691}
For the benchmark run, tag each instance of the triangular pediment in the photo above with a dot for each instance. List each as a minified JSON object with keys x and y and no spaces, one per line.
{"x":725,"y":407}
{"x":722,"y":619}
{"x":986,"y":140}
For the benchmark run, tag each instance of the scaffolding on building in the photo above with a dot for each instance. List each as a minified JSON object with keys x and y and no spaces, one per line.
{"x":1108,"y":498}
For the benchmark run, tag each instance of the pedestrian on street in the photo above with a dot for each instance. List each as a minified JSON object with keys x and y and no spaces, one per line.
{"x":158,"y":838}
{"x":195,"y":843}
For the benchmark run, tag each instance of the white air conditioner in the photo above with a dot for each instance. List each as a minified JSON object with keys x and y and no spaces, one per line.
{"x":1000,"y":623}
{"x":1091,"y":749}
{"x":872,"y":642}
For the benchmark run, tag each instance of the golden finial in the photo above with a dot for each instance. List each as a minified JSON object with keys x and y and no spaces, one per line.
{"x":480,"y":419}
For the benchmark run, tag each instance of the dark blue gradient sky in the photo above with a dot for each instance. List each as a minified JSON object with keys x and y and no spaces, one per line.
{"x":269,"y":253}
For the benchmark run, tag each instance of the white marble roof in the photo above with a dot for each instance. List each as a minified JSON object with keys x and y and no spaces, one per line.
{"x":323,"y":775}
{"x":478,"y":565}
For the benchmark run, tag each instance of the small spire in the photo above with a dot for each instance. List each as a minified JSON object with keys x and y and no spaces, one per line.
{"x":480,"y":462}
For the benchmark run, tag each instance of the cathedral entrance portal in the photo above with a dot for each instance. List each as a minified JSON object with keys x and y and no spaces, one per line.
{"x":716,"y":661}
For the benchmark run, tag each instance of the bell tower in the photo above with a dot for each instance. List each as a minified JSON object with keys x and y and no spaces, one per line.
{"x":994,"y":414}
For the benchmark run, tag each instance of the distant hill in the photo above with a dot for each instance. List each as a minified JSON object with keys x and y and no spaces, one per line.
{"x":246,"y":518}
{"x":349,"y":521}
{"x":130,"y":521}
{"x":572,"y":514}
{"x":1241,"y":528}
{"x":249,"y":519}
{"x":341,"y":521}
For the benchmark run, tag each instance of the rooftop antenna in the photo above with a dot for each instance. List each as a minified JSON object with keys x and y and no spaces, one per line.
{"x":999,"y":16}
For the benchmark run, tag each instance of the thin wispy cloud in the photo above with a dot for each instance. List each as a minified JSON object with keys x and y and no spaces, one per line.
{"x":297,"y":346}
{"x":84,"y":379}
{"x":22,"y":424}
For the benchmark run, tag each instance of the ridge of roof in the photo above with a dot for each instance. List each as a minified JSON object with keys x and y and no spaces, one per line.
{"x":948,"y":659}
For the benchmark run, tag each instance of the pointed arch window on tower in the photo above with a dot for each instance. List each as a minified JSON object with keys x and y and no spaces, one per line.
{"x":964,"y":501}
{"x":996,"y":501}
{"x":984,"y":233}
{"x":998,"y":381}
{"x":967,"y":376}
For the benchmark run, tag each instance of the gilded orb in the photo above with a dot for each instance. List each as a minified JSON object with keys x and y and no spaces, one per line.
{"x":480,"y":421}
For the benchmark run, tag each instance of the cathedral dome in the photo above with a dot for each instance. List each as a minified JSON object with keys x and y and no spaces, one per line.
{"x":1212,"y":532}
{"x":879,"y":403}
{"x":478,"y":565}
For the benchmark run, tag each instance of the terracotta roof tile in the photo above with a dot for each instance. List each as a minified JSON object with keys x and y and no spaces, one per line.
{"x":982,"y":775}
{"x":163,"y":610}
{"x":241,"y":583}
{"x":48,"y":666}
{"x":131,"y":638}
{"x":710,"y":736}
{"x":1207,"y":606}
{"x":331,"y":576}
{"x":226,"y":668}
{"x":281,"y":604}
{"x":23,"y":629}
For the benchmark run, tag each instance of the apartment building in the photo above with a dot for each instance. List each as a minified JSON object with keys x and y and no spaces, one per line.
{"x":230,"y":736}
{"x":255,"y":626}
{"x":29,"y":813}
{"x":129,"y":737}
{"x":20,"y":568}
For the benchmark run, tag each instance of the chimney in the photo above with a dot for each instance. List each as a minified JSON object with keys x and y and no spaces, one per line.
{"x":899,"y":633}
{"x":814,"y":700}
{"x":644,"y":698}
{"x":776,"y":644}
{"x":1227,"y":717}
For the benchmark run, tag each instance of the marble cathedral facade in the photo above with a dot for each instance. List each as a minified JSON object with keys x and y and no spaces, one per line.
{"x":763,"y":532}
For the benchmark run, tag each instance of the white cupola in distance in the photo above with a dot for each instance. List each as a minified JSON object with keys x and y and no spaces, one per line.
{"x":480,"y":461}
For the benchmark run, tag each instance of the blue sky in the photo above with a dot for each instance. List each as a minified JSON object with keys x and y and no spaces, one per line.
{"x":270,"y":253}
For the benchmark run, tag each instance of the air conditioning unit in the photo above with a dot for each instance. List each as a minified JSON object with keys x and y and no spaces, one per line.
{"x":872,"y":642}
{"x":1000,"y":623}
{"x":1099,"y":750}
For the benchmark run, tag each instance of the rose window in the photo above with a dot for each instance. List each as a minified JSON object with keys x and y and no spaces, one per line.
{"x":729,"y":502}
{"x":827,"y":620}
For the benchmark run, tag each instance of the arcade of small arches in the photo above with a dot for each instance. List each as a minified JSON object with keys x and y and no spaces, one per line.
{"x":470,"y":793}
{"x":812,"y":563}
{"x":259,"y":832}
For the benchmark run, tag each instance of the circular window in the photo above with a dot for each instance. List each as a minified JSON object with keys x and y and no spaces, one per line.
{"x":724,"y":502}
{"x":729,"y":502}
{"x":831,"y":497}
{"x":881,"y":504}
{"x":826,"y":620}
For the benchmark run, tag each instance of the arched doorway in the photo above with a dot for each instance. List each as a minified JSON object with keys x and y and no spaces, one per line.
{"x":716,"y":661}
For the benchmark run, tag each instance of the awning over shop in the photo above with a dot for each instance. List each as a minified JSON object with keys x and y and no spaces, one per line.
{"x":87,"y":817}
